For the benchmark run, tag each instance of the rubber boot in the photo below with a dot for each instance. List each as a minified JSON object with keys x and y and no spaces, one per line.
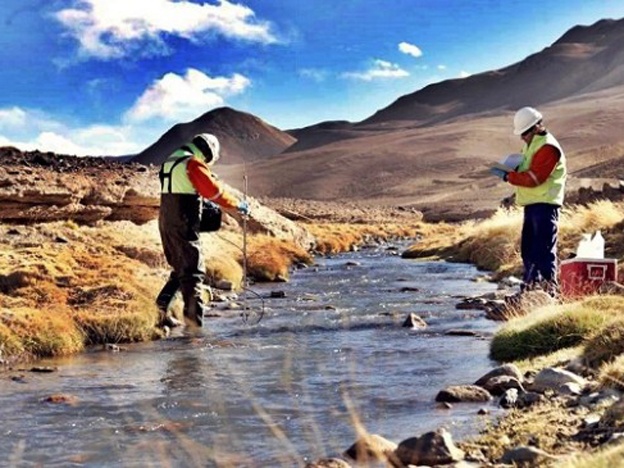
{"x":167,"y":293}
{"x":194,"y":310}
{"x":164,"y":300}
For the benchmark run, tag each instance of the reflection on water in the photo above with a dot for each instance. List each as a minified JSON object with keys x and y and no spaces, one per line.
{"x":276,"y":394}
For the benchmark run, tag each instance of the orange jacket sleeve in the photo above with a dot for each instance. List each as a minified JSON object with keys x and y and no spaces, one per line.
{"x":542,"y":165}
{"x":207,"y":185}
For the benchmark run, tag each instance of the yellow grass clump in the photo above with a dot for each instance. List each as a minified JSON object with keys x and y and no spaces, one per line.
{"x":552,"y":328}
{"x":610,"y":456}
{"x":491,"y":244}
{"x":25,"y":331}
{"x":64,"y":288}
{"x":611,"y":374}
{"x":270,"y":259}
{"x":607,"y":344}
{"x":332,"y":238}
{"x":494,"y":243}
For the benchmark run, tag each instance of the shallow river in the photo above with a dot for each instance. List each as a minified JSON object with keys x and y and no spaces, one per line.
{"x":330,"y":355}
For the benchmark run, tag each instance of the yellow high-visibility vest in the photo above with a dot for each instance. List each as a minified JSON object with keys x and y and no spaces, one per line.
{"x":552,"y":190}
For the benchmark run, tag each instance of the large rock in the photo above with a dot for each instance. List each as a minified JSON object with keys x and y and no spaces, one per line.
{"x":463,"y":393}
{"x":372,"y":448}
{"x":432,"y":448}
{"x":510,"y":370}
{"x":552,"y":378}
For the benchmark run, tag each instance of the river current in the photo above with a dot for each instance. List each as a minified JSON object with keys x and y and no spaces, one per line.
{"x":328,"y":358}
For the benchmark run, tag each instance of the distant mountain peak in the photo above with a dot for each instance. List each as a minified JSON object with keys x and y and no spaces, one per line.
{"x":243,"y":137}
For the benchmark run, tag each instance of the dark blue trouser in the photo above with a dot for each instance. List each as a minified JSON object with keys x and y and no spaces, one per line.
{"x":539,"y":246}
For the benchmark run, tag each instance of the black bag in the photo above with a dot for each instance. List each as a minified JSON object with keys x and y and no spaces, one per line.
{"x":210,"y":217}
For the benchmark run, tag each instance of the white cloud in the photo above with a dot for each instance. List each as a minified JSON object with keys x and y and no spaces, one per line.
{"x":171,"y":99}
{"x":177,"y":98}
{"x":115,"y":28}
{"x":380,"y":69}
{"x":464,"y":74}
{"x":410,"y":49}
{"x":13,"y":117}
{"x":441,"y":67}
{"x":314,"y":74}
{"x":41,"y":132}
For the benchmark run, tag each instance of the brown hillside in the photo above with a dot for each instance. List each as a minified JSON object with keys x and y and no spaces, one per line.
{"x":243,"y":137}
{"x":431,"y":149}
{"x":586,"y":58}
{"x":442,"y":170}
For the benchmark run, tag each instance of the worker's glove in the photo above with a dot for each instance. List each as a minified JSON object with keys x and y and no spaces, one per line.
{"x":499,"y":173}
{"x":243,"y":208}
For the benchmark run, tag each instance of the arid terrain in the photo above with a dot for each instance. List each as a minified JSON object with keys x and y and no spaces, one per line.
{"x":430,"y":150}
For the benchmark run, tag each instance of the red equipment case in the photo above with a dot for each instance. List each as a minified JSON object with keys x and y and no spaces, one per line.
{"x":582,"y":276}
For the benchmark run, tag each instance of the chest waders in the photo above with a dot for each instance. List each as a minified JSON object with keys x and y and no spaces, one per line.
{"x":178,"y":223}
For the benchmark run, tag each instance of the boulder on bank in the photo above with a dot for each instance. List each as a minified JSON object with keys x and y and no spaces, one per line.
{"x":431,"y":449}
{"x":372,"y":448}
{"x":463,"y":393}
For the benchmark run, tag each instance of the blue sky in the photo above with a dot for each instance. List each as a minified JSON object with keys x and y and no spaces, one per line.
{"x":108,"y":77}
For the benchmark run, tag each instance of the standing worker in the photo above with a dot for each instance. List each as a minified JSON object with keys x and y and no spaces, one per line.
{"x":186,"y":178}
{"x":539,"y":181}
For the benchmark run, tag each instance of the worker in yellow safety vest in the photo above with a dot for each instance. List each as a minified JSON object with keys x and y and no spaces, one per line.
{"x":539,"y":182}
{"x":186,"y":179}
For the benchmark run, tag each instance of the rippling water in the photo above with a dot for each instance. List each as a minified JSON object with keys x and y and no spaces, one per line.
{"x":290,"y":389}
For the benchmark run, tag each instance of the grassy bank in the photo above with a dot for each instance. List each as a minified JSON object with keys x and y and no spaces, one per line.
{"x":588,"y":332}
{"x":494,"y":244}
{"x":64,"y":287}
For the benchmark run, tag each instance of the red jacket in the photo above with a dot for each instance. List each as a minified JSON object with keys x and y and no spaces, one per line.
{"x":207,"y":185}
{"x":542,"y":165}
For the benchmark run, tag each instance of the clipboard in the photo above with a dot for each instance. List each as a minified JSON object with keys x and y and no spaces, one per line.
{"x":502,"y":167}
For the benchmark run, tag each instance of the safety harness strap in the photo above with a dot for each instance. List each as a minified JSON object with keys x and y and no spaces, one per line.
{"x":167,"y":175}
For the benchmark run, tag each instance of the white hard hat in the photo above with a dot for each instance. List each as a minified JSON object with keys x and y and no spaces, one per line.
{"x":525,"y":118}
{"x":208,"y":145}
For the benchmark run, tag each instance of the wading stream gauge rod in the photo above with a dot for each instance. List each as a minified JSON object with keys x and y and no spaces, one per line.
{"x":246,"y":314}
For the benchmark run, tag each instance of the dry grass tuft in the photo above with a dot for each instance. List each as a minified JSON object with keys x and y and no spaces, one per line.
{"x":27,"y":332}
{"x":611,"y":374}
{"x":533,"y":426}
{"x":270,"y":259}
{"x":550,"y":329}
{"x":59,"y":297}
{"x":610,"y":456}
{"x":494,"y":243}
{"x":332,"y":238}
{"x":605,"y":345}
